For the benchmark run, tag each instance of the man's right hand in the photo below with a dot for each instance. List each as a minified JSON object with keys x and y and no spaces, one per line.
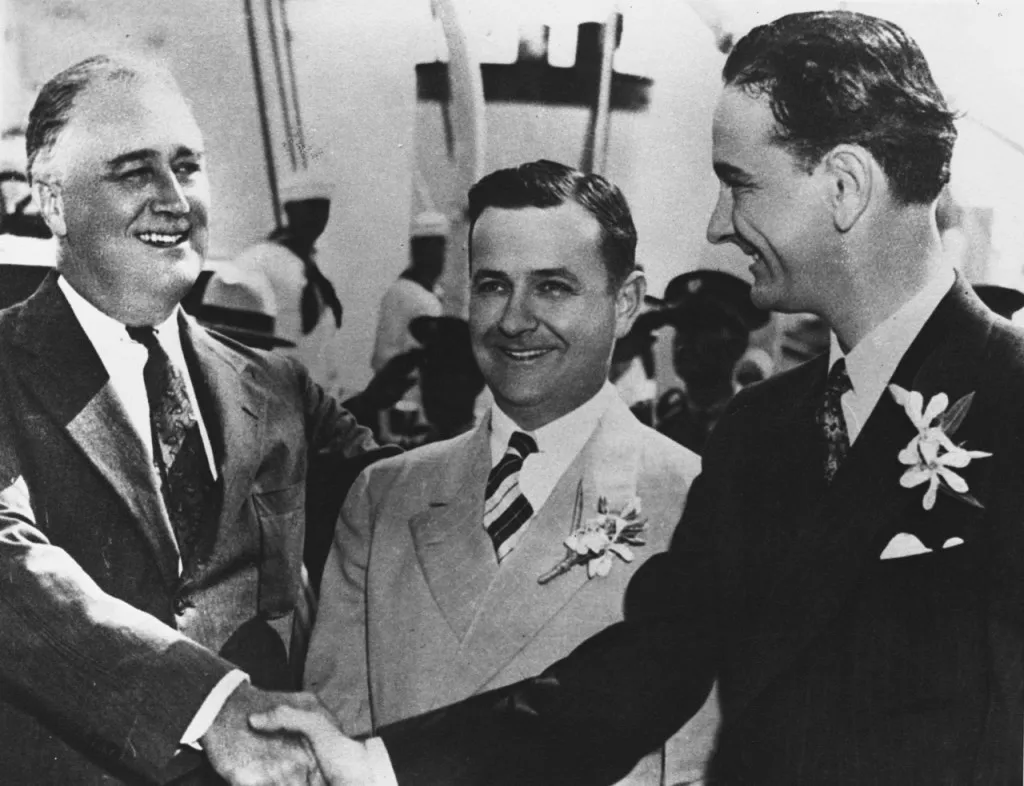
{"x":244,"y":757}
{"x":343,"y":761}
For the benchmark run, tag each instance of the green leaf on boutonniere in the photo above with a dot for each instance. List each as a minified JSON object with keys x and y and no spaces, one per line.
{"x":970,"y":499}
{"x":954,"y":416}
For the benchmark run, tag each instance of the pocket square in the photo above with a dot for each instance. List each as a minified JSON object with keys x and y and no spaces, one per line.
{"x":952,"y":542}
{"x":904,"y":545}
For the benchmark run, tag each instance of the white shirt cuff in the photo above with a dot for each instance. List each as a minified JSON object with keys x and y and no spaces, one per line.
{"x":381,"y":771}
{"x":211,"y":707}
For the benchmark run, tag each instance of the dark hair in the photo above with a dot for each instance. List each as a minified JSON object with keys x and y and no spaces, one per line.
{"x":52,"y":109}
{"x":550,"y":184}
{"x":838,"y":76}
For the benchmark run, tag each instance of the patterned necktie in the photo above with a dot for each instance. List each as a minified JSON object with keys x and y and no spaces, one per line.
{"x":505,"y":507}
{"x":831,"y":420}
{"x":178,"y":451}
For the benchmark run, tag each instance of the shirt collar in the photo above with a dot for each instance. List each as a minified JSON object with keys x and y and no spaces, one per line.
{"x":560,"y":438}
{"x":104,"y":330}
{"x":872,"y":362}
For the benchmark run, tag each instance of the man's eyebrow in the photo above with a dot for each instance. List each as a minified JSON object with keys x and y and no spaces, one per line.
{"x":133,"y":157}
{"x":136,"y":156}
{"x":485,"y":272}
{"x":547,"y":272}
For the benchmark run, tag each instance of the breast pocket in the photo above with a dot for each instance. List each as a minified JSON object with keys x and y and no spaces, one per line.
{"x":282,"y":519}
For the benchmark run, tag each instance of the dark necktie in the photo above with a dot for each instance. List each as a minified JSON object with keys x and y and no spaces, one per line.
{"x":831,"y":420}
{"x":178,"y":451}
{"x":505,"y":507}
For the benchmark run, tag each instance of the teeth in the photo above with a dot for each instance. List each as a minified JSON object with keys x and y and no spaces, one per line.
{"x":159,"y":239}
{"x":527,"y":354}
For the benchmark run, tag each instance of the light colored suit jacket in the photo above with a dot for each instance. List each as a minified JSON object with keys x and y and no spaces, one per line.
{"x":415,"y":612}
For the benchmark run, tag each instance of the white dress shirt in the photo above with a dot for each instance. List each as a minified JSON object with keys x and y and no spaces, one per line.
{"x":872,"y":362}
{"x":124,"y":360}
{"x":558,"y":444}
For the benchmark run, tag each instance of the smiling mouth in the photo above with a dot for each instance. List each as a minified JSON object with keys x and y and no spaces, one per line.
{"x":163,"y":240}
{"x":523,"y":355}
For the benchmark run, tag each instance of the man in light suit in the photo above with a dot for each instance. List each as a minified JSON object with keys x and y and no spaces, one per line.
{"x":849,"y":562}
{"x":139,"y":592}
{"x":420,"y":606}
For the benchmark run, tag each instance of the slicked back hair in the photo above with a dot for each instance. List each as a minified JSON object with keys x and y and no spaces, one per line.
{"x":834,"y":77}
{"x":56,"y":101}
{"x":546,"y":184}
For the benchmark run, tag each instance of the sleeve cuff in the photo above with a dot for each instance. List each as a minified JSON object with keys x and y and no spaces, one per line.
{"x":381,"y":771}
{"x":211,"y":707}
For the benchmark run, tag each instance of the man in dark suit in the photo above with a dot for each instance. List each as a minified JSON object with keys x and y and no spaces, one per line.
{"x":153,"y":475}
{"x":849,"y":561}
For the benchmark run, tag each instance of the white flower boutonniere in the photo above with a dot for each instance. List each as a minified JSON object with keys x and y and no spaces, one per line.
{"x":595,"y":541}
{"x":931,"y":456}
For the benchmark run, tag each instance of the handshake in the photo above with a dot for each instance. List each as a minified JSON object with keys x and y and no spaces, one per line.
{"x":261,"y":738}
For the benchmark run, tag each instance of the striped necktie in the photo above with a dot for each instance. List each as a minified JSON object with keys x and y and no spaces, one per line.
{"x":506,"y":510}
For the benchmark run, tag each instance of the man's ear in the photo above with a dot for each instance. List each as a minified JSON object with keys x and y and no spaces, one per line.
{"x":49,"y":197}
{"x":628,"y":302}
{"x":851,"y":181}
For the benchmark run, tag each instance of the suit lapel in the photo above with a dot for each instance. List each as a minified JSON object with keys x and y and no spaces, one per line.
{"x":71,"y":385}
{"x":516,"y":607}
{"x":453,"y":548}
{"x":233,"y":405}
{"x":843,"y":533}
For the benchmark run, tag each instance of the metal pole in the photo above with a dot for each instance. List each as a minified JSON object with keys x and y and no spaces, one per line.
{"x":261,"y":103}
{"x":602,"y":113}
{"x":300,"y":133}
{"x":279,"y":72}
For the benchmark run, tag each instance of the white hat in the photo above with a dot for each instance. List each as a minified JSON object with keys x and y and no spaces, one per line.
{"x":299,"y":186}
{"x":241,"y":303}
{"x":429,"y":223}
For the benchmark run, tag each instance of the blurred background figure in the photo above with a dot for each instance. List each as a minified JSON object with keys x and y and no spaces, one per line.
{"x":19,"y":215}
{"x":633,"y":368}
{"x":308,"y":309}
{"x":713,"y":319}
{"x":451,"y":383}
{"x":414,"y":294}
{"x":241,"y":304}
{"x":447,"y":381}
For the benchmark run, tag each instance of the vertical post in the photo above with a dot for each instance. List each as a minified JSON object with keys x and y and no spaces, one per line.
{"x":300,"y":133}
{"x":281,"y":88}
{"x":602,"y":108}
{"x":261,"y":103}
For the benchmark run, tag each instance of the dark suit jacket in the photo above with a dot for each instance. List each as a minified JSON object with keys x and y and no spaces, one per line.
{"x":835,"y":667}
{"x":105,"y":652}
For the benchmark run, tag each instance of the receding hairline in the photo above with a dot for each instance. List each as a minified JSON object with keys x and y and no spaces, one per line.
{"x":86,"y":78}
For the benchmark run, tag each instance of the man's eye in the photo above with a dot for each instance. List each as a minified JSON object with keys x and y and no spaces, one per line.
{"x":135,"y":174}
{"x":554,"y":288}
{"x":186,"y":169}
{"x":487,"y":287}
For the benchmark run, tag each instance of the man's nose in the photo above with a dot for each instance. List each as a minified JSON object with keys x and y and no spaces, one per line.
{"x":517,"y":316}
{"x":720,"y":227}
{"x":170,"y":197}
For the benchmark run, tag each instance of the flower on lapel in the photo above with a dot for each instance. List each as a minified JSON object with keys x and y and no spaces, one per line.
{"x":597,"y":540}
{"x":931,"y":456}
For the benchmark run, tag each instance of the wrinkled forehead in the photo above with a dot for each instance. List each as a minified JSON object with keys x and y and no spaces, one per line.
{"x":111,"y":118}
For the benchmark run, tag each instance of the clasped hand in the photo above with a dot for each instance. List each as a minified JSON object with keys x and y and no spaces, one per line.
{"x":261,"y":738}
